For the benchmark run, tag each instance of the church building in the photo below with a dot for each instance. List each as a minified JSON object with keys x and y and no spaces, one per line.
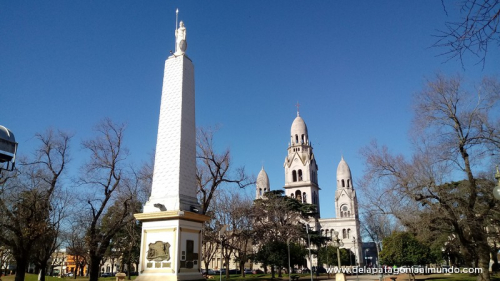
{"x":301,"y":183}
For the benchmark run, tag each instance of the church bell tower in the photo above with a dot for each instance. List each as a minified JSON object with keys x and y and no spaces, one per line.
{"x":301,"y":170}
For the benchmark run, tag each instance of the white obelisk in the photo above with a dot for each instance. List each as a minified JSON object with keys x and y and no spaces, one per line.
{"x":171,"y":229}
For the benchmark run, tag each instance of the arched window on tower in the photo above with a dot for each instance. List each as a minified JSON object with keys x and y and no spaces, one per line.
{"x":303,"y":138}
{"x":341,"y":214}
{"x":291,"y":195}
{"x":260,"y":191}
{"x":348,"y":183}
{"x":348,"y":232}
{"x":343,"y":183}
{"x":298,"y":195}
{"x":304,"y":197}
{"x":300,"y":175}
{"x":344,"y":234}
{"x":296,"y":138}
{"x":294,"y":176}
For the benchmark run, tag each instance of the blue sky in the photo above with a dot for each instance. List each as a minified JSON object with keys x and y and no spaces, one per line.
{"x":352,"y":65}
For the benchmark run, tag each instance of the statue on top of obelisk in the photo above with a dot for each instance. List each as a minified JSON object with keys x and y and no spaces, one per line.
{"x":180,"y":39}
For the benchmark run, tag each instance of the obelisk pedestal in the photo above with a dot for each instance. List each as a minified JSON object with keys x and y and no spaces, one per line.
{"x":171,"y":226}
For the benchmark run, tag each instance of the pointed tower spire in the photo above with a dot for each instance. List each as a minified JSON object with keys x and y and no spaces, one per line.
{"x":262,"y":185}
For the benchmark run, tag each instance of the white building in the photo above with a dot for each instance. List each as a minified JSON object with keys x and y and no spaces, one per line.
{"x":301,"y":183}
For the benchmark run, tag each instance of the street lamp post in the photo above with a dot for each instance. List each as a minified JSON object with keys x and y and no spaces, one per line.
{"x":289,"y":268}
{"x":355,"y":257}
{"x":221,"y":232}
{"x":337,"y":243}
{"x":366,"y":257}
{"x":309,"y":243}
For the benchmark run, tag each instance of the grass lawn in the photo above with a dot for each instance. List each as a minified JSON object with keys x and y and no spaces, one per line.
{"x":34,"y":277}
{"x":267,"y":277}
{"x":452,"y":277}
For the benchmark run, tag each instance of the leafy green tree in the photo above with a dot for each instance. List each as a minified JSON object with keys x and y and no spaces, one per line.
{"x":403,"y":249}
{"x":277,"y":219}
{"x":328,"y":256}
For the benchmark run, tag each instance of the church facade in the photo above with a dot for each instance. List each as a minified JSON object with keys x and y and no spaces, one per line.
{"x":301,"y":183}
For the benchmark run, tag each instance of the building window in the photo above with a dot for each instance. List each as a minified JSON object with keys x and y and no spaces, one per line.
{"x":343,"y":183}
{"x":298,"y":195}
{"x":344,"y":234}
{"x":296,"y":139}
{"x":300,"y":175}
{"x":294,"y":176}
{"x":304,"y":198}
{"x":348,"y":183}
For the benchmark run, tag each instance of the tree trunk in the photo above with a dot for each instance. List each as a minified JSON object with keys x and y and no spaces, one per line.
{"x":226,"y":260}
{"x":43,"y":269}
{"x":272,"y":272}
{"x":95,"y":264}
{"x":129,"y":268}
{"x":484,"y":263}
{"x":242,"y":268}
{"x":76,"y":269}
{"x":494,"y":256}
{"x":20,"y":268}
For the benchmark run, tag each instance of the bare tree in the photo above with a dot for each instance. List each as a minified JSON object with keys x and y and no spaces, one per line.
{"x":454,"y":134}
{"x":28,"y":202}
{"x":112,"y":200}
{"x":474,"y":32}
{"x":77,"y":246}
{"x":210,"y":242}
{"x":378,"y":226}
{"x":214,"y":169}
{"x":45,"y":246}
{"x":241,"y":225}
